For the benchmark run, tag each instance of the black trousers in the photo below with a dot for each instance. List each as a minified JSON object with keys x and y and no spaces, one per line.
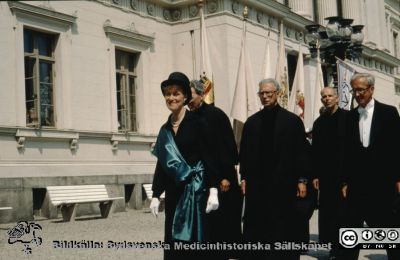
{"x":376,"y":212}
{"x":271,"y":228}
{"x":225,"y":223}
{"x":331,"y":216}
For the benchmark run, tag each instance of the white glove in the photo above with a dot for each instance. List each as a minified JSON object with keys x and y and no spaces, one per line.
{"x":155,"y":203}
{"x":212,"y":202}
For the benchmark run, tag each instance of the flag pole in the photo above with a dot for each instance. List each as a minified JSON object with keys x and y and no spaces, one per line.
{"x":238,"y":125}
{"x":193,"y":53}
{"x":206,"y":74}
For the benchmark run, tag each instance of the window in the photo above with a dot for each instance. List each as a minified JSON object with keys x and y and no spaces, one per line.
{"x":292,"y":64}
{"x":126,"y":90}
{"x":39,"y":77}
{"x":397,"y":89}
{"x":396,"y":45}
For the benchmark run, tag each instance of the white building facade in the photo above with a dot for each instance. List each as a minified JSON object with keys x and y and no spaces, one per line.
{"x":80,"y":99}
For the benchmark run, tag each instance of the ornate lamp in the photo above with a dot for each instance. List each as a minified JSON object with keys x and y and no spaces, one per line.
{"x":338,"y":39}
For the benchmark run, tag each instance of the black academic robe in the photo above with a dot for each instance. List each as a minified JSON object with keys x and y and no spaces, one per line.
{"x":193,"y":144}
{"x":371,"y":173}
{"x":225,"y":223}
{"x":272,"y":158}
{"x":327,"y":159}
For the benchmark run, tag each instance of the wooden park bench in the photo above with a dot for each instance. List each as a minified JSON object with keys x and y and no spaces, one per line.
{"x":67,"y":197}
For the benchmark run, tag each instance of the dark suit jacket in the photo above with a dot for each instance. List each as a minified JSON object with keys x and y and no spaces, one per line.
{"x":372,"y":172}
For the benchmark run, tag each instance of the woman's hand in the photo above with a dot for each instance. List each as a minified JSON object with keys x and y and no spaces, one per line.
{"x":212,"y":202}
{"x":154,"y":205}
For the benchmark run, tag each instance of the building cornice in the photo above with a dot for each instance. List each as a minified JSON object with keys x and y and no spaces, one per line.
{"x":130,"y":35}
{"x":24,"y":134}
{"x":44,"y":12}
{"x":263,"y":12}
{"x":381,"y":56}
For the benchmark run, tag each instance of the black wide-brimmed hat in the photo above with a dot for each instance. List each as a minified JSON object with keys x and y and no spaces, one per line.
{"x":179,"y":79}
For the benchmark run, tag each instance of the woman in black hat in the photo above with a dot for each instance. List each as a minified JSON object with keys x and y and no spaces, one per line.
{"x":185,"y":170}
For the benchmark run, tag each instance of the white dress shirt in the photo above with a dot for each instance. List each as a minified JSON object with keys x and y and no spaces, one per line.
{"x":365,"y":122}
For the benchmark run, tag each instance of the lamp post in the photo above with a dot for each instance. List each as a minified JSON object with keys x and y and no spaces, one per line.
{"x":338,"y":39}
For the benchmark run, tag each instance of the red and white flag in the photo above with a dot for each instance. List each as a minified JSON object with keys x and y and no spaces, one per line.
{"x":296,"y":100}
{"x":281,"y":71}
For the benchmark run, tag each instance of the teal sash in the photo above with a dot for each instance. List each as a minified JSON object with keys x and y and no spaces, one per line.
{"x":188,"y":223}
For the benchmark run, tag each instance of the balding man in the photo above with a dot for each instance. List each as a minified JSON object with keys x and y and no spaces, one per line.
{"x":327,"y":154}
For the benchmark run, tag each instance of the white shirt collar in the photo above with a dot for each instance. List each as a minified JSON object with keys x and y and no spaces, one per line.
{"x":368,"y":108}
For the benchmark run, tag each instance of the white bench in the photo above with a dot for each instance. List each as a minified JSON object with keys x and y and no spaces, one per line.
{"x":67,"y":197}
{"x":5,"y":208}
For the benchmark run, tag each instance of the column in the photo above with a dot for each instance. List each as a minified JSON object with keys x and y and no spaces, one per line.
{"x":303,"y":8}
{"x":352,"y":9}
{"x":375,"y":25}
{"x":326,"y":8}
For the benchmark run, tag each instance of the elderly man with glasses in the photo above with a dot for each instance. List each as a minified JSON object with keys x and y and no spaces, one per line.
{"x":273,"y":157}
{"x":370,"y":169}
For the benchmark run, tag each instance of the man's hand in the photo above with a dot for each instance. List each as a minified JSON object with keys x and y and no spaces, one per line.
{"x":155,"y":203}
{"x":344,"y":191}
{"x":243,"y":187}
{"x":301,"y":190}
{"x":224,"y":185}
{"x":212,"y":202}
{"x":315,"y":183}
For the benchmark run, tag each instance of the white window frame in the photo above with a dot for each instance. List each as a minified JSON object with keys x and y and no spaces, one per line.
{"x":128,"y":118}
{"x":130,"y":40}
{"x":50,"y":21}
{"x":35,"y":112}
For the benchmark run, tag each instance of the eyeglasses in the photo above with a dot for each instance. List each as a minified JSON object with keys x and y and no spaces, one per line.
{"x":360,"y":91}
{"x":268,"y":93}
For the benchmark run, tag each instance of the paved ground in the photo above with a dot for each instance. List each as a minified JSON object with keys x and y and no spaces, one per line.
{"x":130,"y":226}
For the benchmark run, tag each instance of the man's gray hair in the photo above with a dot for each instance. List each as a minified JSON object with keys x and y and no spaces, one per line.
{"x":370,"y":79}
{"x":198,"y":86}
{"x":268,"y":81}
{"x":335,"y":91}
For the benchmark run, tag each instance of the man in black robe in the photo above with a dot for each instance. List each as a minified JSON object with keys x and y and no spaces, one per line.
{"x":225,"y":223}
{"x":327,"y":155}
{"x":370,"y":166}
{"x":272,"y":160}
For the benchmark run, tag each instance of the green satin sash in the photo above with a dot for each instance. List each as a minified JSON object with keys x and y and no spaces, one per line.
{"x":188,"y":223}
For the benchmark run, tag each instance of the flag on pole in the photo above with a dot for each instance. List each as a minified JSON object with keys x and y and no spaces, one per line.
{"x":245,"y":99}
{"x":319,"y":85}
{"x":296,"y":100}
{"x":266,"y":72}
{"x":205,"y":63}
{"x":345,"y":72}
{"x":281,"y":71}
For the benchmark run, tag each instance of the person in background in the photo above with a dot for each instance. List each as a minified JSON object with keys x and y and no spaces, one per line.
{"x":328,"y":146}
{"x":273,"y":158}
{"x":370,"y":166}
{"x":225,"y":223}
{"x":185,"y":170}
{"x":305,"y":206}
